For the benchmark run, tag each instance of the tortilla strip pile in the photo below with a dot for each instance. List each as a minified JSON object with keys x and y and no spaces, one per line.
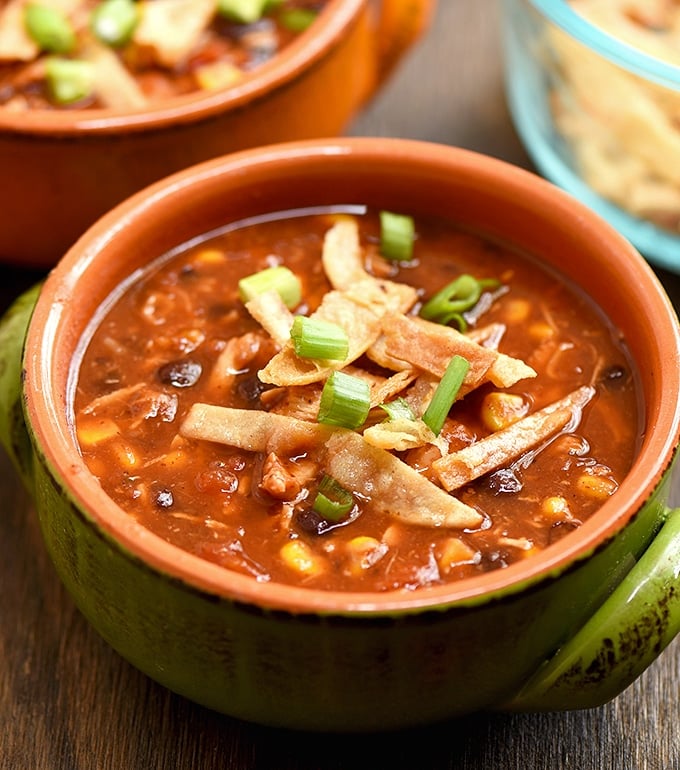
{"x":375,"y":314}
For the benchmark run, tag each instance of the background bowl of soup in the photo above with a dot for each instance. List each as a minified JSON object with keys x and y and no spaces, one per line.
{"x":594,"y":89}
{"x":561,"y":609}
{"x":86,"y":120}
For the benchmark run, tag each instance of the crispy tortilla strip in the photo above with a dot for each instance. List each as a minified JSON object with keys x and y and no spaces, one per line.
{"x":393,"y":486}
{"x":343,"y":262}
{"x":359,"y":311}
{"x":430,"y":347}
{"x":15,"y":42}
{"x":300,"y":401}
{"x":501,"y":448}
{"x":270,"y":311}
{"x":172,"y":29}
{"x":342,"y":257}
{"x":114,"y":85}
{"x":250,"y":429}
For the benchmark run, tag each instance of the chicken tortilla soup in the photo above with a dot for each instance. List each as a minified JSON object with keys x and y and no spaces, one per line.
{"x":355,"y":400}
{"x":125,"y":54}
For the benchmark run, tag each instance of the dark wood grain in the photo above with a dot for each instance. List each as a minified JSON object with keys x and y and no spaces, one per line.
{"x":68,"y":702}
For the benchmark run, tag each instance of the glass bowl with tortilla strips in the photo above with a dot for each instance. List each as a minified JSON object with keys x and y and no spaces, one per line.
{"x":594,"y":90}
{"x":565,"y":626}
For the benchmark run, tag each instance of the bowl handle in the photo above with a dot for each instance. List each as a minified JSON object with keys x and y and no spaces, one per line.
{"x":400,"y":24}
{"x":13,"y":433}
{"x":634,"y":625}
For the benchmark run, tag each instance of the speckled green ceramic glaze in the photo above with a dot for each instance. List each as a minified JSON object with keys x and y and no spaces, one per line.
{"x":570,"y":636}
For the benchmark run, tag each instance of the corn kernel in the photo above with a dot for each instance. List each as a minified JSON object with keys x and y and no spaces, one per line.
{"x":363,"y":552}
{"x":209,"y":257}
{"x":95,"y":431}
{"x":455,"y":552}
{"x":499,"y":410}
{"x":541,"y":331}
{"x":597,"y":487}
{"x":517,"y":310}
{"x":211,"y":77}
{"x":555,"y":507}
{"x":299,"y":557}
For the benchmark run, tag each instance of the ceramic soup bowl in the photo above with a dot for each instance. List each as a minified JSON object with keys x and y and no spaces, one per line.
{"x":568,"y":628}
{"x":64,"y":168}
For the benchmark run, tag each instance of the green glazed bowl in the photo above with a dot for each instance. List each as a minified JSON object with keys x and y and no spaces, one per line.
{"x":569,"y":628}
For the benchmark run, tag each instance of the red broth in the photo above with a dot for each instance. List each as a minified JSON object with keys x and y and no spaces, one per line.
{"x":157,"y":62}
{"x":152,"y":355}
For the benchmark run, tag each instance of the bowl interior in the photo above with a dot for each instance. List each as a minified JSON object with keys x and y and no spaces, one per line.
{"x":483,"y":194}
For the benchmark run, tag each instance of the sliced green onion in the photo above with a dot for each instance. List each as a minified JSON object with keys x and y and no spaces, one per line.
{"x":49,"y":28}
{"x":297,"y":19}
{"x":398,"y":409}
{"x":279,"y":278}
{"x":243,"y":11}
{"x":332,"y":501}
{"x":445,"y":394}
{"x":448,"y":305}
{"x":114,"y":21}
{"x":345,"y":401}
{"x":313,"y":338}
{"x":68,"y":80}
{"x":397,"y":233}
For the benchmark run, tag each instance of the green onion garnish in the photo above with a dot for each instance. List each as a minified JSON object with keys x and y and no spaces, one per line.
{"x":345,"y":401}
{"x":445,"y":394}
{"x":297,"y":19}
{"x":456,"y":298}
{"x":114,"y":21}
{"x":332,"y":501}
{"x":49,"y":28}
{"x":314,"y":338}
{"x":68,"y":80}
{"x":243,"y":11}
{"x":397,"y":233}
{"x":398,"y":409}
{"x":279,"y":278}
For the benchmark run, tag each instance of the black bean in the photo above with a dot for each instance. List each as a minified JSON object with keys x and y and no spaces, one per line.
{"x":180,"y":374}
{"x":615,"y":375}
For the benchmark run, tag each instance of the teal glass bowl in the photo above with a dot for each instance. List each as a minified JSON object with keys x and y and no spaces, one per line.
{"x":594,"y":114}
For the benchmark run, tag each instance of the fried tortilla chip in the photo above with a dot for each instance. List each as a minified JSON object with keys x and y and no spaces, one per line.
{"x":250,"y":429}
{"x":270,"y":311}
{"x":393,"y":486}
{"x":503,"y":447}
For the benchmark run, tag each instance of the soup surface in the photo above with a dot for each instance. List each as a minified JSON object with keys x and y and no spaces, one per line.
{"x":202,"y":419}
{"x":124,"y":54}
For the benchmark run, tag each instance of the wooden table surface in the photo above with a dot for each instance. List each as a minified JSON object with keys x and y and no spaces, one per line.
{"x":68,"y":702}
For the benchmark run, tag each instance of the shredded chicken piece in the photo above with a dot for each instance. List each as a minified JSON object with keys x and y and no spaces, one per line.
{"x":501,"y":448}
{"x":238,"y":353}
{"x":393,"y":486}
{"x":277,"y":480}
